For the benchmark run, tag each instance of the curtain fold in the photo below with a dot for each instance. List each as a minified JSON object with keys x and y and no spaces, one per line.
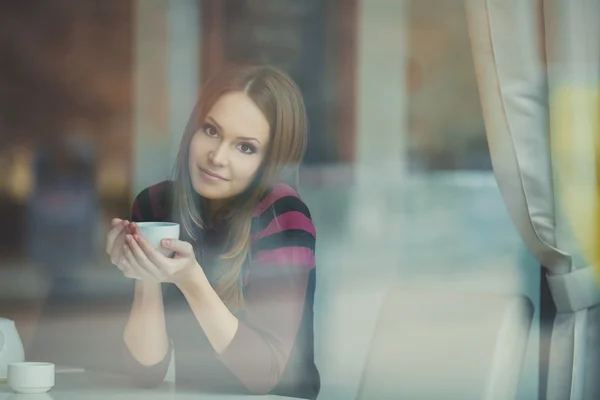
{"x":538,"y":70}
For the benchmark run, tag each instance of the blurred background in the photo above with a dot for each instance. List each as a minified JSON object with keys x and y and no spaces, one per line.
{"x":398,"y":177}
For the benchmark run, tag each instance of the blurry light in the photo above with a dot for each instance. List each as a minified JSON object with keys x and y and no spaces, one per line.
{"x":20,"y":175}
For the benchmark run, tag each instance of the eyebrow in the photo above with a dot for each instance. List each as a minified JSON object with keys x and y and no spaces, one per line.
{"x":248,"y":138}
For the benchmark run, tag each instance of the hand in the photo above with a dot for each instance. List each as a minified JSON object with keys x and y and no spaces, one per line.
{"x":115,"y":239}
{"x":142,"y":261}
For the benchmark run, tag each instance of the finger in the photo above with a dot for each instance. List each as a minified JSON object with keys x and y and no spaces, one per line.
{"x":116,"y":252}
{"x":114,"y":233}
{"x":143,"y":260}
{"x":127,"y":269}
{"x":136,"y":269}
{"x":153,"y":255}
{"x":121,"y":265}
{"x":112,"y":236}
{"x":133,"y":228}
{"x":124,"y":266}
{"x":179,"y":246}
{"x":116,"y":221}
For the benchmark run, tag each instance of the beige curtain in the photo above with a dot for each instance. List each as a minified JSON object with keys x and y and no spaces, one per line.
{"x":538,"y":70}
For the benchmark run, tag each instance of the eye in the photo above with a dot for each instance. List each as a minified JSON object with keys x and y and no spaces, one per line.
{"x":247,"y":148}
{"x":210,"y":130}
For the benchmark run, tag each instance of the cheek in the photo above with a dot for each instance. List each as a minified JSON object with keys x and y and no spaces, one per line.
{"x":247,"y":168}
{"x":197,"y":147}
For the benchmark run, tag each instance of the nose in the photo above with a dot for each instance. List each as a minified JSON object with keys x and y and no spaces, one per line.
{"x":218,"y":156}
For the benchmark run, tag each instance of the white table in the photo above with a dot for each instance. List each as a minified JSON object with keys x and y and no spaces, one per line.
{"x":92,"y":386}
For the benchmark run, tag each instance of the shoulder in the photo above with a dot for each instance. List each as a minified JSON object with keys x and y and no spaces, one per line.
{"x":284,"y":205}
{"x":151,"y":204}
{"x":283,"y":231}
{"x":282,"y":198}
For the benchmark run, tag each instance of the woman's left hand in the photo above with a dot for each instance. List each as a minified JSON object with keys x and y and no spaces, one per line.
{"x":140,"y":256}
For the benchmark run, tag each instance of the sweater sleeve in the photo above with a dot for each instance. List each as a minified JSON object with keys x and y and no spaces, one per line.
{"x":282,"y":256}
{"x":148,"y":206}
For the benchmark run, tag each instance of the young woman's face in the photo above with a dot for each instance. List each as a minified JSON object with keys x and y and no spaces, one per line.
{"x":228,"y":149}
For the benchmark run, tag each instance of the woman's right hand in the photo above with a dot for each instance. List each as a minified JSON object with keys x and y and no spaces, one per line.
{"x":115,"y":240}
{"x":117,"y":248}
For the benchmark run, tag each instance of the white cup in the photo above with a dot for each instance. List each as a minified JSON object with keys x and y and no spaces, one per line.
{"x":31,"y":377}
{"x":154,"y":232}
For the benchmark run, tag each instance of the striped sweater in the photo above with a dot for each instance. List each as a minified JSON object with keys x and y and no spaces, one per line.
{"x":273,"y":348}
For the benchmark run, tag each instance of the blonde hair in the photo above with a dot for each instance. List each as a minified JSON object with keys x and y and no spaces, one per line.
{"x":280,"y":100}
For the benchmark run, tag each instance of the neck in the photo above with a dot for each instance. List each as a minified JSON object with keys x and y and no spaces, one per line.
{"x":213,"y":209}
{"x":214,"y":206}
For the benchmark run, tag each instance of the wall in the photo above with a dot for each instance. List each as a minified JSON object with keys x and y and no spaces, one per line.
{"x":167,"y":48}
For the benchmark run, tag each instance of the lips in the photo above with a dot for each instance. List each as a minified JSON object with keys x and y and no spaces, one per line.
{"x":212,"y":174}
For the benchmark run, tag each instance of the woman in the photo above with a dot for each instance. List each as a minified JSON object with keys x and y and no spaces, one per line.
{"x":236,"y":301}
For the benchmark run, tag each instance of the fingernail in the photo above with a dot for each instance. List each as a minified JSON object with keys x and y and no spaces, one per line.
{"x":166,"y":242}
{"x":136,"y":237}
{"x":128,"y":238}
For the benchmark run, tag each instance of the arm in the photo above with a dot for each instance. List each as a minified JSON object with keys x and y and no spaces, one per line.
{"x":148,"y":349}
{"x":145,"y":335}
{"x":257,"y":348}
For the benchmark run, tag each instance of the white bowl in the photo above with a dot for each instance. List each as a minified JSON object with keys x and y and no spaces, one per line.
{"x":31,"y":377}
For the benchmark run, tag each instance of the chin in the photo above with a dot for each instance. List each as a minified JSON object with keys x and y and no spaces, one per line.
{"x":208,"y":192}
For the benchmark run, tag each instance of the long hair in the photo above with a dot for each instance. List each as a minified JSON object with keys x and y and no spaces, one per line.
{"x":280,"y":101}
